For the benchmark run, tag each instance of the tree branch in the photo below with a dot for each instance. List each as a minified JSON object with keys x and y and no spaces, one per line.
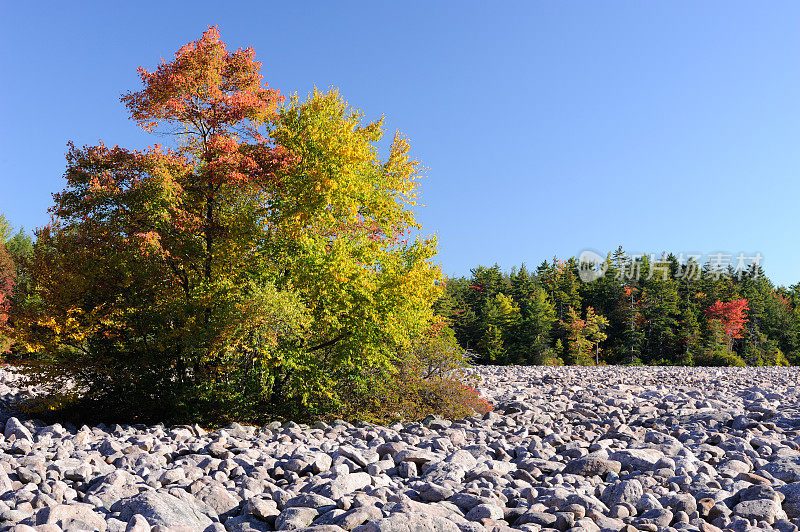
{"x":329,"y":343}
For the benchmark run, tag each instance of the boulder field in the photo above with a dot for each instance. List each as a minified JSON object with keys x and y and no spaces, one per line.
{"x":566,"y":449}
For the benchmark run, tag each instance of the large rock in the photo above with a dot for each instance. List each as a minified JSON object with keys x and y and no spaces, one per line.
{"x":485,"y":511}
{"x":5,"y":482}
{"x":679,"y":502}
{"x":246,"y":523}
{"x":310,"y":500}
{"x":543,"y":519}
{"x":14,"y":427}
{"x":462,"y":458}
{"x":592,"y":465}
{"x":761,"y":510}
{"x":791,"y":503}
{"x":409,"y":523}
{"x":219,"y":499}
{"x":442,"y":472}
{"x":627,"y":491}
{"x":785,"y":469}
{"x":112,"y":487}
{"x":296,"y":518}
{"x":660,"y":517}
{"x":358,"y":516}
{"x":76,"y":516}
{"x":641,"y":459}
{"x":162,"y":509}
{"x":344,"y":484}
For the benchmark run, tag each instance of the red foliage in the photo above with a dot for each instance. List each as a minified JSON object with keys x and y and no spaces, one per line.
{"x":783,"y":300}
{"x":217,"y":99}
{"x":7,"y":274}
{"x":731,"y":315}
{"x":204,"y":85}
{"x":480,"y":404}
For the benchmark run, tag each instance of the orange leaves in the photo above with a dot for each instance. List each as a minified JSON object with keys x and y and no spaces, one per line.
{"x":731,"y":315}
{"x":149,"y":242}
{"x":628,"y":291}
{"x":7,"y":274}
{"x":205,"y":88}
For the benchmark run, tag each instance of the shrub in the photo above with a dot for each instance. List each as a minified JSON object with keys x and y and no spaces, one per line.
{"x":426,"y":378}
{"x":719,"y":356}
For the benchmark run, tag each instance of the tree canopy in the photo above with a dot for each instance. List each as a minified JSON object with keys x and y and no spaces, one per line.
{"x":671,"y":313}
{"x":259,"y":266}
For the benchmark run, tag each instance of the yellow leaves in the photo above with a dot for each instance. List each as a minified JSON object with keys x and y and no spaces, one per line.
{"x":67,"y":327}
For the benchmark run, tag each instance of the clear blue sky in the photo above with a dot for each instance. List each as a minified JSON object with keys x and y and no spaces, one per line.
{"x":547,"y":127}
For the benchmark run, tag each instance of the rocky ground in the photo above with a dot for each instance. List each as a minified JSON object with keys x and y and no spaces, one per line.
{"x":566,"y":449}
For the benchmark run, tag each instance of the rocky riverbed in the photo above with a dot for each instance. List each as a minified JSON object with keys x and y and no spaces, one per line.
{"x":566,"y":449}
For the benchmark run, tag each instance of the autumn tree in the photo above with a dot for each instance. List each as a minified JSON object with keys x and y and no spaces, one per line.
{"x":578,"y":345}
{"x":7,"y":275}
{"x":261,"y":266}
{"x":731,"y":316}
{"x":656,"y":313}
{"x":596,"y":325}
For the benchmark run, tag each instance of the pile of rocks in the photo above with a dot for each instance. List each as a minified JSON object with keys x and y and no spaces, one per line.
{"x":566,"y":449}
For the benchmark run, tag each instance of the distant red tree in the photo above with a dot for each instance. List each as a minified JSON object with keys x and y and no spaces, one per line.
{"x":731,"y":316}
{"x":7,"y":273}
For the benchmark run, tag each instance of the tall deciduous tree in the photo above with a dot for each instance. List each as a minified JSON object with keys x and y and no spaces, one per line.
{"x":7,"y":275}
{"x":595,"y":331}
{"x":261,"y":265}
{"x":578,"y":343}
{"x":731,"y":316}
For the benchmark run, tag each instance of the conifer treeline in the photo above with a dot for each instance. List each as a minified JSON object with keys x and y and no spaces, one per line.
{"x":661,"y":315}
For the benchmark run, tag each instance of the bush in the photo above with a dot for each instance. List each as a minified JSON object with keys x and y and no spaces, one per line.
{"x":428,"y":378}
{"x":719,"y":357}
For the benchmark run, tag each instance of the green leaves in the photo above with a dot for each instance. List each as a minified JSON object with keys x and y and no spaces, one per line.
{"x":262,"y":267}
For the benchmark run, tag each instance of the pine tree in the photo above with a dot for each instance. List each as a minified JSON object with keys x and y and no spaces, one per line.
{"x":500,"y":318}
{"x":537,"y":316}
{"x":660,"y":313}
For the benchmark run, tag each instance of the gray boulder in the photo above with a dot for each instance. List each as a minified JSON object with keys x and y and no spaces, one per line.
{"x":297,"y":518}
{"x":409,"y":522}
{"x":626,"y":491}
{"x":641,"y":459}
{"x":791,"y":503}
{"x":592,"y":465}
{"x":785,"y":469}
{"x":78,"y":516}
{"x":161,"y":509}
{"x":761,"y":510}
{"x":14,"y":427}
